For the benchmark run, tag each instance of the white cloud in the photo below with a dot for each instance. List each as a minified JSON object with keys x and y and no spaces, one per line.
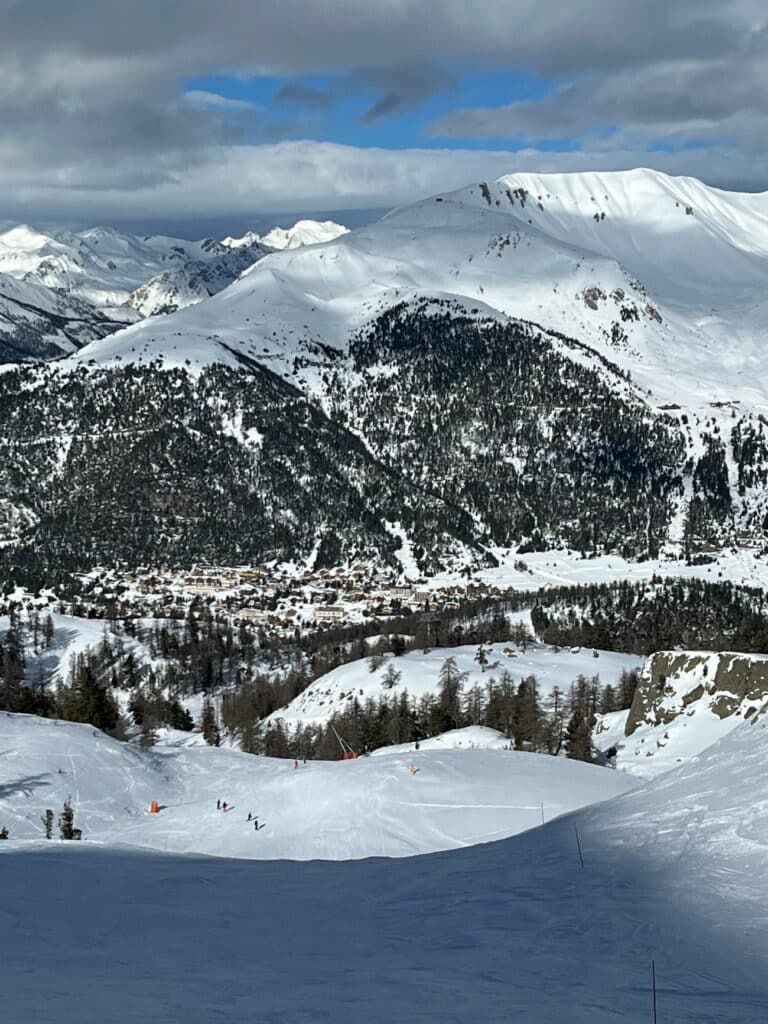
{"x":213,"y":101}
{"x":244,"y":182}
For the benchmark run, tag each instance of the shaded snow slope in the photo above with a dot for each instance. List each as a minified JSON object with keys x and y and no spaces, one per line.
{"x":37,"y":322}
{"x":336,"y":690}
{"x":329,"y":810}
{"x":673,"y":873}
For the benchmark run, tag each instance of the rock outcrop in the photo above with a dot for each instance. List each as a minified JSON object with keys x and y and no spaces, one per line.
{"x":673,"y":681}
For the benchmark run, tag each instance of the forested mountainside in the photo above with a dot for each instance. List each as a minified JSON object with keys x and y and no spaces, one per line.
{"x":458,"y":434}
{"x":644,"y":618}
{"x":401,"y":402}
{"x":544,"y":449}
{"x":158,"y":466}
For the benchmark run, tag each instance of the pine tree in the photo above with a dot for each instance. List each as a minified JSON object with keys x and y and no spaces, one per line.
{"x":391,"y":677}
{"x":449,"y":690}
{"x":48,"y":630}
{"x":67,"y":828}
{"x":47,"y":821}
{"x":578,"y":737}
{"x":481,"y":657}
{"x":209,"y":726}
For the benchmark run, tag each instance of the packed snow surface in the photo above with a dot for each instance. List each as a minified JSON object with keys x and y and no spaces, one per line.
{"x":671,"y":873}
{"x":394,"y":805}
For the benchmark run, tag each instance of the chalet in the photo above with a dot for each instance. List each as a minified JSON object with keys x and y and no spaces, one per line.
{"x":330,"y":613}
{"x":253,"y":615}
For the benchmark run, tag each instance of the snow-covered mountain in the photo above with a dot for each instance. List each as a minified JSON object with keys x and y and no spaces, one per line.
{"x":303,"y":232}
{"x":552,"y":361}
{"x":101,"y":266}
{"x":96,"y":281}
{"x":195,"y":280}
{"x":37,"y":322}
{"x":654,"y":272}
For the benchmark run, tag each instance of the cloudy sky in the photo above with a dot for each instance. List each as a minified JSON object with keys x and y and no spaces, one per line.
{"x":226,"y":113}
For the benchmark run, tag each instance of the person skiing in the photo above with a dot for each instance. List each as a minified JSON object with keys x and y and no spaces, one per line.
{"x":250,"y":817}
{"x":224,"y":805}
{"x":255,"y":824}
{"x":295,"y":764}
{"x":218,"y":805}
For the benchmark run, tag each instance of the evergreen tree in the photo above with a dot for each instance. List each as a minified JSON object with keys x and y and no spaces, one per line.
{"x":67,"y":828}
{"x":578,"y":737}
{"x":209,"y":726}
{"x":391,"y":677}
{"x":481,"y":657}
{"x":449,"y":695}
{"x":47,"y":821}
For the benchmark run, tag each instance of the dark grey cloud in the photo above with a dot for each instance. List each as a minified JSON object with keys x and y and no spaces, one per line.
{"x":293,"y":94}
{"x":400,"y":88}
{"x":93,"y":110}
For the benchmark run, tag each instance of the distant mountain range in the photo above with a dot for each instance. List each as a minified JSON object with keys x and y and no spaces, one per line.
{"x":59,"y":291}
{"x":540,"y":361}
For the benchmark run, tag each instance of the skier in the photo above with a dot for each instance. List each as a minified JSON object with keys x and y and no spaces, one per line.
{"x":250,"y":817}
{"x":218,"y":805}
{"x":224,"y":806}
{"x":255,"y":824}
{"x":295,"y":764}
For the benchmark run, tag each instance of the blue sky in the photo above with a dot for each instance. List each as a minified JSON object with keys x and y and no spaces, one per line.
{"x":350,"y":97}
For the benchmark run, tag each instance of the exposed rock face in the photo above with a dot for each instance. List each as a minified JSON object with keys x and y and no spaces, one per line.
{"x":672,"y":681}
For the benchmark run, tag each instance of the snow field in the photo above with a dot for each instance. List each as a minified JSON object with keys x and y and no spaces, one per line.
{"x":319,"y":810}
{"x":509,"y":930}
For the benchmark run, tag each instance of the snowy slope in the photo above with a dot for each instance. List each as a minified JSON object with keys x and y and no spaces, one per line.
{"x":672,"y":873}
{"x":39,"y":322}
{"x":657,"y":289}
{"x":330,"y":810}
{"x":334,"y":691}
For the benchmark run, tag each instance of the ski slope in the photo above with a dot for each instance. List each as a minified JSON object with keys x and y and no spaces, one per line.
{"x":518,"y":929}
{"x":319,"y":810}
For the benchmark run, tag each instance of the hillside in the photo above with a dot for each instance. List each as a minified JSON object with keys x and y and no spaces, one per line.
{"x":419,"y":675}
{"x":461,"y":431}
{"x":671,"y":873}
{"x":684,"y":703}
{"x":321,"y":810}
